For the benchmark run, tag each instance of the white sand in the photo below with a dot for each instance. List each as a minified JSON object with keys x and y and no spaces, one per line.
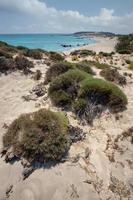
{"x":104,"y":44}
{"x":67,"y":181}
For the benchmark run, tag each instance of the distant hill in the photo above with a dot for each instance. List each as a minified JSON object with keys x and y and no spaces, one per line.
{"x":91,"y":33}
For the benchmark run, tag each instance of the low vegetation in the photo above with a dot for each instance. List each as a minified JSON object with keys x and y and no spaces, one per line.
{"x":57,"y":69}
{"x":130,"y":67}
{"x":23,"y":64}
{"x":101,"y":65}
{"x":97,"y":64}
{"x":62,"y":67}
{"x":96,"y":95}
{"x":85,"y":95}
{"x":105,"y":54}
{"x":7,"y":48}
{"x":85,"y":66}
{"x":83,"y":53}
{"x":125,"y":44}
{"x":7,"y":65}
{"x":55,"y":57}
{"x":5,"y":54}
{"x":39,"y":136}
{"x":63,"y":90}
{"x":114,"y":76}
{"x":128,"y":62}
{"x":33,"y":53}
{"x":104,"y":93}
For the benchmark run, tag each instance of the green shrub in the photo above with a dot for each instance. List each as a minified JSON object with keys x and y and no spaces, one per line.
{"x":6,"y":65}
{"x":114,"y":76}
{"x":101,"y":65}
{"x":55,"y":57}
{"x":62,"y":67}
{"x":97,"y":64}
{"x":125,"y":44}
{"x":7,"y":48}
{"x":85,"y":67}
{"x":5,"y":54}
{"x":83,"y":53}
{"x":75,"y":58}
{"x":57,"y":69}
{"x":85,"y":95}
{"x":39,"y":136}
{"x":105,"y":54}
{"x":130,"y":67}
{"x":21,"y":48}
{"x":128,"y":61}
{"x":23,"y":64}
{"x":63,"y":90}
{"x":96,"y":95}
{"x":33,"y":53}
{"x":103,"y":92}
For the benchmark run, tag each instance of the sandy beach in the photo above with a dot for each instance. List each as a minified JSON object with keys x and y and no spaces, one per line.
{"x":107,"y":174}
{"x":103,"y":44}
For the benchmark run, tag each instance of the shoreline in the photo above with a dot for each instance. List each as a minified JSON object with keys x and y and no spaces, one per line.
{"x":104,"y":44}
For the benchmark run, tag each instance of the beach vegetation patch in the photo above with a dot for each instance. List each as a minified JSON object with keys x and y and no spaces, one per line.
{"x":85,"y":66}
{"x":63,"y":90}
{"x":101,"y":65}
{"x":39,"y":136}
{"x":114,"y":76}
{"x":33,"y":53}
{"x":7,"y":65}
{"x":57,"y":69}
{"x":7,"y":48}
{"x":105,"y":54}
{"x":5,"y":54}
{"x":125,"y":44}
{"x":128,"y":62}
{"x":23,"y":64}
{"x":96,"y":64}
{"x":83,"y":53}
{"x":130,"y":67}
{"x":104,"y":93}
{"x":55,"y":57}
{"x":86,"y":96}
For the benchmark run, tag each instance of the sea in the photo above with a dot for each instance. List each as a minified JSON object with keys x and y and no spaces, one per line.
{"x":49,"y":42}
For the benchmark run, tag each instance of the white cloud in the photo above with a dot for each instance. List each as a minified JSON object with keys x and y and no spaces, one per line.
{"x":52,"y":20}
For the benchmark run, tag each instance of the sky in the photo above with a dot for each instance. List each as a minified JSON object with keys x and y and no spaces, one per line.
{"x":66,"y":16}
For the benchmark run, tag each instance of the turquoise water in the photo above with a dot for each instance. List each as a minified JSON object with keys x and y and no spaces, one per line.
{"x":50,"y":42}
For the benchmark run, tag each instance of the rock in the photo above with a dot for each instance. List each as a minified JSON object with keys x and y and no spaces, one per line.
{"x":26,"y":172}
{"x":38,"y":90}
{"x":76,"y":134}
{"x":66,"y":45}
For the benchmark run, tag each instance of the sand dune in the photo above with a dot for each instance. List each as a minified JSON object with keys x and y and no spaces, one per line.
{"x":97,"y":177}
